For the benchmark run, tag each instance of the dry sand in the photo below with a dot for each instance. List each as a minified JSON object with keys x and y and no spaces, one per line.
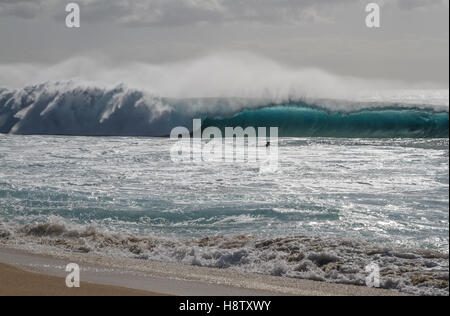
{"x":18,"y":282}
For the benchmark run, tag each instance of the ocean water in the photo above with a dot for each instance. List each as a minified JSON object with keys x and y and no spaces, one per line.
{"x":338,"y":198}
{"x":384,"y":190}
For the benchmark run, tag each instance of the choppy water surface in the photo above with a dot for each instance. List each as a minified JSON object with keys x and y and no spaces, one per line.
{"x":393,"y":191}
{"x":359,"y":201}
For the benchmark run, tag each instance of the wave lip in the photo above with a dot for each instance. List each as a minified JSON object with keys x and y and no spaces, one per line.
{"x":68,"y":108}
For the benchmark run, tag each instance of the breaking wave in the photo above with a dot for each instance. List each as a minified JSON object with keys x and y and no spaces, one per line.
{"x":67,"y":108}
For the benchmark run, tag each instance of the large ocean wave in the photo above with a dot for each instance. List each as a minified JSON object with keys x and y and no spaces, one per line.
{"x":68,"y":108}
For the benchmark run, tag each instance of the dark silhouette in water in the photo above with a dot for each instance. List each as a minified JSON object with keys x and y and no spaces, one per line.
{"x":268,"y":144}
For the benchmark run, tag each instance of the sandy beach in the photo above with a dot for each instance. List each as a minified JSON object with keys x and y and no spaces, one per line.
{"x":19,"y":282}
{"x":24,"y":273}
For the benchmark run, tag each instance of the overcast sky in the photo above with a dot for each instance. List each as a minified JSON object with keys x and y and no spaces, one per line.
{"x":412,"y":44}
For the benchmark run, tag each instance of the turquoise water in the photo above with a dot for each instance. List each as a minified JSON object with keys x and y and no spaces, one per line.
{"x":297,"y":119}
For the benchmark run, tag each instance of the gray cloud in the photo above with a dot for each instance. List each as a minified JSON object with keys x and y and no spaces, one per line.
{"x":421,"y":4}
{"x":185,"y":12}
{"x":411,"y":45}
{"x":191,"y":12}
{"x":25,"y":9}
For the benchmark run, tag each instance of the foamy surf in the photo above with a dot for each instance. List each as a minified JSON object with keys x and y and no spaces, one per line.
{"x":333,"y":260}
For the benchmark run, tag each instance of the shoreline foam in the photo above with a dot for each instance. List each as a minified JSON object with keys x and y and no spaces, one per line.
{"x":174,"y":279}
{"x":329,"y":260}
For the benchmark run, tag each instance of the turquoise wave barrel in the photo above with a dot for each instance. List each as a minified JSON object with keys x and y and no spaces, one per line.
{"x":295,"y":121}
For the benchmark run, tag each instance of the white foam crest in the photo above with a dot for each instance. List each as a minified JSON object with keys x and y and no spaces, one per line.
{"x":73,"y":108}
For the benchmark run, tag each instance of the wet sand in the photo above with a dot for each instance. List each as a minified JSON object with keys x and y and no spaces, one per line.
{"x":25,"y":273}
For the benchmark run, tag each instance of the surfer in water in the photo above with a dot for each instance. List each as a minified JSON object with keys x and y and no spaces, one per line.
{"x":268,"y":145}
